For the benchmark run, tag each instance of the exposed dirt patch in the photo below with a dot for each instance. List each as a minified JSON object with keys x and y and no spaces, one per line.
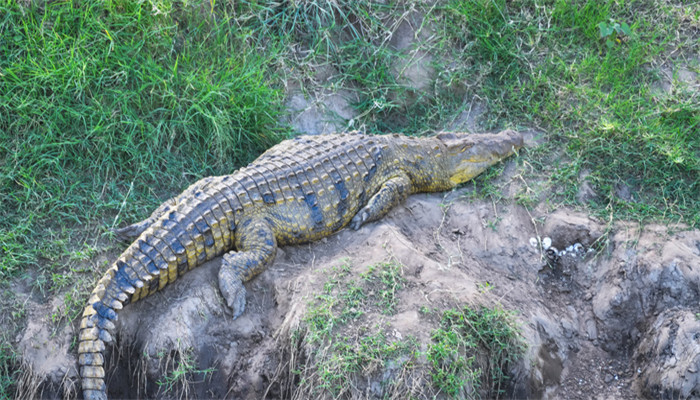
{"x":324,"y":112}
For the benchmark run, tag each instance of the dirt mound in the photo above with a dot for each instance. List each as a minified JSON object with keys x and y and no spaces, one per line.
{"x":613,"y":311}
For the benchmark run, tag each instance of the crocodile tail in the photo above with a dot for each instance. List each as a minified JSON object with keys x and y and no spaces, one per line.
{"x":116,"y":288}
{"x":176,"y":243}
{"x":96,"y":328}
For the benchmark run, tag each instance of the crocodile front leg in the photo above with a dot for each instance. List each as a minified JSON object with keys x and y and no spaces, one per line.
{"x":256,"y":248}
{"x":392,"y":192}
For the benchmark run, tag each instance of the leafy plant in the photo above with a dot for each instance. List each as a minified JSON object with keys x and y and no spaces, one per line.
{"x":183,"y":374}
{"x":613,"y":31}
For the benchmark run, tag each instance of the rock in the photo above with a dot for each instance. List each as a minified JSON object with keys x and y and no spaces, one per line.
{"x":669,"y":355}
{"x":566,"y":228}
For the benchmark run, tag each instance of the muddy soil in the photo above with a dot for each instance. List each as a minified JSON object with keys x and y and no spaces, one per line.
{"x":615,"y":318}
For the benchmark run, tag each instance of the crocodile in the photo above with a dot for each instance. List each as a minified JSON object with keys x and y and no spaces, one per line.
{"x":298,"y":191}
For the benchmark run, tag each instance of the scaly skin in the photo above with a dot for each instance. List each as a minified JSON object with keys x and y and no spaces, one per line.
{"x":298,"y":191}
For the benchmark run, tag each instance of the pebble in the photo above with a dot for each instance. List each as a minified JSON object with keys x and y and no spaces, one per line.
{"x":608,"y":378}
{"x":533,"y":242}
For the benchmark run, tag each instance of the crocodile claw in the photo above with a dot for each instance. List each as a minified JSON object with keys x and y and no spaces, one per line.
{"x":359,"y":219}
{"x":129,"y":233}
{"x":233,"y":291}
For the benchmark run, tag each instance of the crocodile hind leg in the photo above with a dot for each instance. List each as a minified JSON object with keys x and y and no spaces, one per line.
{"x":392,"y":192}
{"x":256,"y":248}
{"x":133,"y":231}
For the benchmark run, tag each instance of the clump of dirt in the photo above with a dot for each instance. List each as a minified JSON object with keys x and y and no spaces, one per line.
{"x":618,"y":315}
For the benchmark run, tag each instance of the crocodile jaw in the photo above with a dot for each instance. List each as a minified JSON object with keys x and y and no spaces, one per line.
{"x":469,"y":155}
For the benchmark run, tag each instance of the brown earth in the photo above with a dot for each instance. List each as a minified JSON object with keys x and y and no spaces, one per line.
{"x":617,"y":319}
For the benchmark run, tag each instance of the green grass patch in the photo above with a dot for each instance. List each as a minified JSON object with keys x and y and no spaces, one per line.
{"x":346,"y":342}
{"x":352,"y":38}
{"x":345,"y":299}
{"x":558,"y":66}
{"x":336,"y":355}
{"x":385,"y":281}
{"x":472,"y":352}
{"x":108,"y":108}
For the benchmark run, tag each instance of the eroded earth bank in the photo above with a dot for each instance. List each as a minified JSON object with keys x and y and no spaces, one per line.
{"x":615,"y":316}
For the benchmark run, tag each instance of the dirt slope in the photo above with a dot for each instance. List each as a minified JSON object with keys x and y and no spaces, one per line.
{"x":616,"y":319}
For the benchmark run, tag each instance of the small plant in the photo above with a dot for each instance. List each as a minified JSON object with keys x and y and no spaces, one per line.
{"x":484,"y":287}
{"x":183,"y":374}
{"x":453,"y":370}
{"x":613,"y":32}
{"x":493,"y":223}
{"x":8,"y":369}
{"x":388,"y":280}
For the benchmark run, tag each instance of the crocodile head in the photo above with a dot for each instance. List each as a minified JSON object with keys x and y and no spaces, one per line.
{"x":469,"y":155}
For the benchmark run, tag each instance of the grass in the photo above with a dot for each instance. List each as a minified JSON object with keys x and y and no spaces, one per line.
{"x":178,"y":380}
{"x":547,"y":66}
{"x":8,"y":370}
{"x":97,"y":97}
{"x":337,"y":352}
{"x":345,"y":299}
{"x":345,"y":341}
{"x":336,"y":355}
{"x":472,"y":351}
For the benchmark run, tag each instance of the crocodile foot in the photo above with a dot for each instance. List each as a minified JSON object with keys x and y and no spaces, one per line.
{"x":131,"y":232}
{"x":233,"y":290}
{"x":359,"y":219}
